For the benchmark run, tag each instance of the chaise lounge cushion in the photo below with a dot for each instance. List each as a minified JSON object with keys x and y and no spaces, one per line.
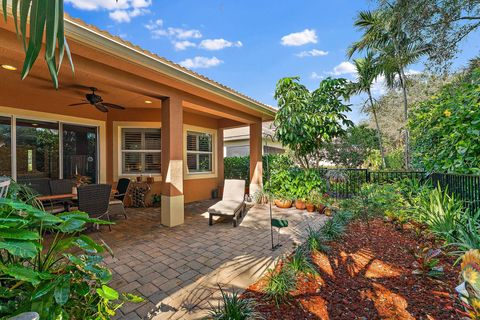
{"x":225,"y":207}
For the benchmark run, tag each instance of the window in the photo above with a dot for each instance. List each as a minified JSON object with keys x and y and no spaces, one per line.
{"x":199,"y":152}
{"x":79,"y":151}
{"x":141,"y":151}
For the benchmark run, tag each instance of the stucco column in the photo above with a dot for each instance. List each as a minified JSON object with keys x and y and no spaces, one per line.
{"x":256,"y":169}
{"x":172,"y":162}
{"x":220,"y":163}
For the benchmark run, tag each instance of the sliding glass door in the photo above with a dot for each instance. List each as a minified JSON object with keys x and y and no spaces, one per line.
{"x":37,"y":149}
{"x":79,"y":151}
{"x":5,"y":146}
{"x":31,"y":149}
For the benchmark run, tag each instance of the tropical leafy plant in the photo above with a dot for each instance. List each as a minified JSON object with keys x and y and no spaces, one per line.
{"x":44,"y":19}
{"x":47,"y":267}
{"x":441,"y":212}
{"x":233,"y":307}
{"x":427,"y":263}
{"x":281,"y":281}
{"x":300,"y":262}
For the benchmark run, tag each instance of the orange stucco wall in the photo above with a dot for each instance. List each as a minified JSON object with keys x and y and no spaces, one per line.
{"x":194,"y":190}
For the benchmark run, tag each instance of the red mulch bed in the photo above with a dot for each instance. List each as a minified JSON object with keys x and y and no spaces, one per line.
{"x":368,"y":275}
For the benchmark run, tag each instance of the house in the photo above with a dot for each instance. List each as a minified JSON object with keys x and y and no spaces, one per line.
{"x":171,"y":129}
{"x":237,"y":141}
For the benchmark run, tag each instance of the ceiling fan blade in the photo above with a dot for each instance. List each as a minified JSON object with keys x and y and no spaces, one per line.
{"x":101,"y":107}
{"x":112,"y":105}
{"x":78,"y":104}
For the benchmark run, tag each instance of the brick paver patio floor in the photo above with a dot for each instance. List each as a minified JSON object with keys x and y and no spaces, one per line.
{"x":178,"y":270}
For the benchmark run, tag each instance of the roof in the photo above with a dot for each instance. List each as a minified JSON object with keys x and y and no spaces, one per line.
{"x":78,"y":29}
{"x":243,"y":133}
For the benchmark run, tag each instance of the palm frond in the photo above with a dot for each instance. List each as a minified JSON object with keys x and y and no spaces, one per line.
{"x":45,"y":19}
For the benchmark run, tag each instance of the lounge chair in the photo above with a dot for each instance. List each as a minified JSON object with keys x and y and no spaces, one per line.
{"x":232,"y":203}
{"x":4,"y":184}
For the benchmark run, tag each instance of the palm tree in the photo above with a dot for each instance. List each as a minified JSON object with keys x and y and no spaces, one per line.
{"x":367,"y":73}
{"x":384,"y":35}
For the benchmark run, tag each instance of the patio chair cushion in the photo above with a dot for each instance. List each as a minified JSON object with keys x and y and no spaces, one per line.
{"x":54,"y":209}
{"x":234,"y":190}
{"x":225,"y":207}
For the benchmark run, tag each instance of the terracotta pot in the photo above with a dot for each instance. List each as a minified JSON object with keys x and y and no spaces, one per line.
{"x":300,"y":205}
{"x":320,"y":208}
{"x":310,"y":207}
{"x":328,"y":212}
{"x":283,"y":203}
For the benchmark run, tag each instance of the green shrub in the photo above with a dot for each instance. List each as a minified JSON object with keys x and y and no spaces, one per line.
{"x":300,"y":262}
{"x":332,"y":230}
{"x":62,"y":277}
{"x":467,"y":234}
{"x":441,"y":213}
{"x":444,"y":129}
{"x":280,"y":282}
{"x":232,"y":307}
{"x":315,"y":241}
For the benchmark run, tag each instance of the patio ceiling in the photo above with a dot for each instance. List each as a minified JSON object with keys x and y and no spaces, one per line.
{"x":119,"y":79}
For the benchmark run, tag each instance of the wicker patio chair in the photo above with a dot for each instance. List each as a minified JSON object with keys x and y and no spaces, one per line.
{"x":94,"y":200}
{"x":40,"y":185}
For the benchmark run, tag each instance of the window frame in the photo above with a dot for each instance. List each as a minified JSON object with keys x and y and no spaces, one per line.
{"x":188,"y":175}
{"x":143,"y":152}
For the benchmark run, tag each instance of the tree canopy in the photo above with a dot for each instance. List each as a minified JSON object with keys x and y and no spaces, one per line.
{"x":307,"y":119}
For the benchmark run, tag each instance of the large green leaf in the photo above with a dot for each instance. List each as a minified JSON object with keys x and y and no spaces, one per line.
{"x":23,"y":249}
{"x":22,"y":273}
{"x":19,"y":234}
{"x":86,"y":243}
{"x":62,"y":291}
{"x":71,"y":225}
{"x":43,"y":289}
{"x":107,"y":293}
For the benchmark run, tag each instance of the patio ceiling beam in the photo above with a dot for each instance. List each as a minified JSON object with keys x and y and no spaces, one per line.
{"x":219,"y":110}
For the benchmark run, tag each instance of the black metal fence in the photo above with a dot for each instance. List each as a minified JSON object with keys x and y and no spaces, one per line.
{"x":465,"y":187}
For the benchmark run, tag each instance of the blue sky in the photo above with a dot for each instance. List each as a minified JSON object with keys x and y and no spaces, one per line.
{"x":247,"y":45}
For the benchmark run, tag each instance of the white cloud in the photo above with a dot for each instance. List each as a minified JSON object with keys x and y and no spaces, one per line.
{"x":218,"y":44}
{"x":312,"y":53}
{"x":153,"y":25}
{"x":300,"y":38}
{"x":121,"y":11}
{"x":346,"y":67}
{"x":157,"y":30}
{"x":182,"y":45}
{"x":315,"y":76}
{"x":201,"y":62}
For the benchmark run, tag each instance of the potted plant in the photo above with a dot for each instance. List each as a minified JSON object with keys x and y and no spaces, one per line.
{"x":328,"y":202}
{"x":156,"y":199}
{"x":314,"y":200}
{"x":80,"y":181}
{"x":282,"y":201}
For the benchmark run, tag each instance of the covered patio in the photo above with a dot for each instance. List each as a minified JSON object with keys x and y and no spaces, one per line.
{"x":178,"y":270}
{"x":169,"y":135}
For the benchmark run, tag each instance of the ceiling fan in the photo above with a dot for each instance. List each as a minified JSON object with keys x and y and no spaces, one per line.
{"x":97,"y":101}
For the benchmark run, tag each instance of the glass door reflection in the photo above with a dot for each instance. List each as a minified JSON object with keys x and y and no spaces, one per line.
{"x":80,"y":152}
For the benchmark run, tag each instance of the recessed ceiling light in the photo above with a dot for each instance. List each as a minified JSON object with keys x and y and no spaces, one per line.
{"x":8,"y":67}
{"x":34,"y":124}
{"x":148,"y":102}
